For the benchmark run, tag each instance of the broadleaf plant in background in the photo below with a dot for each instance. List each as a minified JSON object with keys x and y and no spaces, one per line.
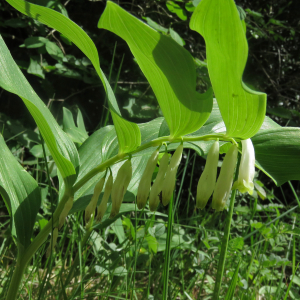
{"x":120,"y":153}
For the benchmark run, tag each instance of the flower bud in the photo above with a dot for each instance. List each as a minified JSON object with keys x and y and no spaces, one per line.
{"x":158,"y":183}
{"x":65,"y":212}
{"x":169,"y":182}
{"x":208,"y":178}
{"x":120,"y":186}
{"x":145,"y":183}
{"x":224,"y":183}
{"x":247,"y":168}
{"x":52,"y":242}
{"x":103,"y":205}
{"x":90,"y":209}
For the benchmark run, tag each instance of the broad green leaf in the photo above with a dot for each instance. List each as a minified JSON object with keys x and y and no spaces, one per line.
{"x":128,"y":133}
{"x":21,"y":195}
{"x":278,"y":153}
{"x":243,"y":110}
{"x":60,"y":146}
{"x":77,"y":134}
{"x":169,"y":68}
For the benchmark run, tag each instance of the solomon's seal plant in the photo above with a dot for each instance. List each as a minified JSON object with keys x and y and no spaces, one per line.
{"x":236,"y":115}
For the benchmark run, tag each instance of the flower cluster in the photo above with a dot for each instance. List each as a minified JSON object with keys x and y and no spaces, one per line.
{"x":222,"y":188}
{"x":164,"y":184}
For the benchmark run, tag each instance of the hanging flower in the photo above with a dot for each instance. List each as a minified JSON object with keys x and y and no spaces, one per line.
{"x":120,"y":186}
{"x":247,"y":168}
{"x":101,"y":209}
{"x":224,"y":183}
{"x":90,"y":209}
{"x":158,"y":183}
{"x":145,"y":183}
{"x":208,"y":177}
{"x":169,"y":182}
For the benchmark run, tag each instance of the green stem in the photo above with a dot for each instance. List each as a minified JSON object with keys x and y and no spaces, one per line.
{"x":168,"y":250}
{"x":16,"y":278}
{"x":221,"y":264}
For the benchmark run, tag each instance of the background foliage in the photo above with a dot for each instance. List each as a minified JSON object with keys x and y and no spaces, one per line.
{"x":63,"y":77}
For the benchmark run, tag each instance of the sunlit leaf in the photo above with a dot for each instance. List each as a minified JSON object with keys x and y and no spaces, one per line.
{"x":243,"y":110}
{"x":169,"y":68}
{"x":128,"y":133}
{"x":60,"y":146}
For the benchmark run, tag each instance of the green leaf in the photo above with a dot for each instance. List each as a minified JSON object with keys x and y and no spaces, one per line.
{"x":15,"y":23}
{"x":277,"y":152}
{"x":21,"y":195}
{"x":35,"y":42}
{"x":175,"y":8}
{"x":233,"y":283}
{"x":243,"y":110}
{"x":128,"y":133}
{"x":54,"y":51}
{"x":155,"y":26}
{"x":176,"y":37}
{"x":77,"y":134}
{"x":35,"y":68}
{"x":60,"y":146}
{"x":169,"y":68}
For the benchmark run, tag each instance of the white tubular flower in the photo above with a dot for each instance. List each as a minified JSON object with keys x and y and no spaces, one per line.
{"x":90,"y":209}
{"x":158,"y":183}
{"x":247,"y":168}
{"x":145,"y":183}
{"x":169,"y":182}
{"x":120,"y":186}
{"x":52,"y":242}
{"x":103,"y":205}
{"x":208,"y":178}
{"x":224,"y":183}
{"x":65,"y":212}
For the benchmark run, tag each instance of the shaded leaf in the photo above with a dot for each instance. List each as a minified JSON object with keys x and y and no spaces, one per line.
{"x":21,"y":195}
